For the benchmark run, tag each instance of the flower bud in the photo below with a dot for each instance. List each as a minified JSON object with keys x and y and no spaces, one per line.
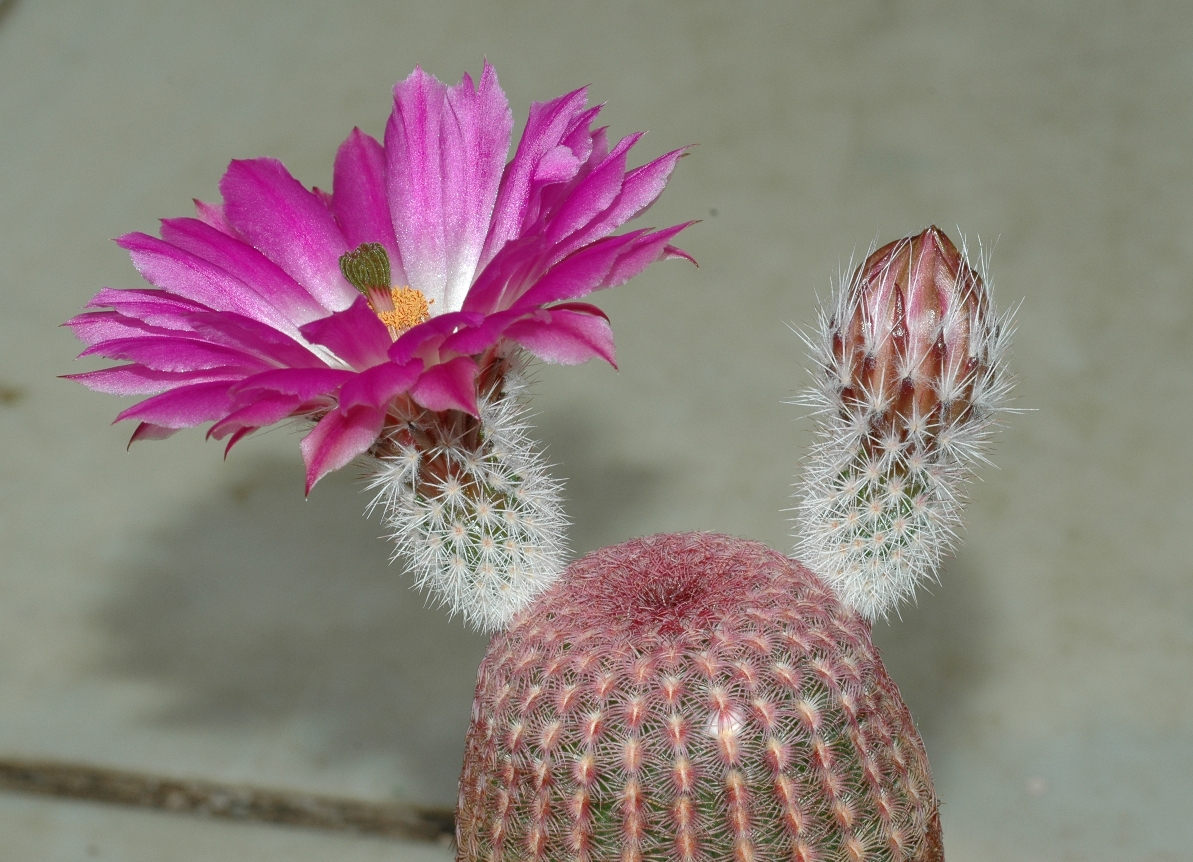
{"x":910,"y":377}
{"x":912,"y":335}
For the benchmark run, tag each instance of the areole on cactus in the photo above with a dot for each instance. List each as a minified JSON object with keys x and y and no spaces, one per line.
{"x":679,"y":697}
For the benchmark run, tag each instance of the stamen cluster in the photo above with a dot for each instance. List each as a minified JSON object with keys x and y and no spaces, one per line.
{"x":399,"y":307}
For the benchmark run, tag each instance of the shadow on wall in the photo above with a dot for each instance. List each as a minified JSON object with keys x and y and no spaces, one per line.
{"x":607,"y":499}
{"x":260,"y":607}
{"x":6,"y":6}
{"x":937,"y":654}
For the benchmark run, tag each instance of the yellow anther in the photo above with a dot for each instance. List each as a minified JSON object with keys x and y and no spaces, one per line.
{"x":410,"y":308}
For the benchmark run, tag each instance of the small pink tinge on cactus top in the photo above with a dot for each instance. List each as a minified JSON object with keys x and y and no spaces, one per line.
{"x":663,"y":584}
{"x":698,"y":697}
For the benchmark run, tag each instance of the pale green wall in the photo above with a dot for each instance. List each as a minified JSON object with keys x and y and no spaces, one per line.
{"x":163,"y":610}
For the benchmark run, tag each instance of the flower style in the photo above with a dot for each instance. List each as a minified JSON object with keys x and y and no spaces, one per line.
{"x":400,"y":287}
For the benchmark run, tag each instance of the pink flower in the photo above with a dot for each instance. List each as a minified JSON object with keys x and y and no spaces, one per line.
{"x":404,"y":282}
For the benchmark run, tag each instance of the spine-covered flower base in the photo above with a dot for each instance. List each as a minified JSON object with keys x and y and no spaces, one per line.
{"x":468,"y":502}
{"x":692,"y":697}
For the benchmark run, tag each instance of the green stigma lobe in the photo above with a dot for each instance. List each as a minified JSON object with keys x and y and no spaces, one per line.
{"x":367,"y":267}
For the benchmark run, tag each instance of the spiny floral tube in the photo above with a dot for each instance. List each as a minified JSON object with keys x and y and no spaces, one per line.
{"x":469,"y":503}
{"x":910,"y":378}
{"x":394,"y":301}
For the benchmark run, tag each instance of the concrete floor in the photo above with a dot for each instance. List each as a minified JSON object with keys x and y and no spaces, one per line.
{"x":163,"y":610}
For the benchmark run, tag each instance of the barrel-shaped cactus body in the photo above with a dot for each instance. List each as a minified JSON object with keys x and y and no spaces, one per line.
{"x":691,"y":697}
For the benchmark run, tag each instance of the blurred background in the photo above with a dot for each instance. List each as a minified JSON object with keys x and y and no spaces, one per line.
{"x":165,"y":611}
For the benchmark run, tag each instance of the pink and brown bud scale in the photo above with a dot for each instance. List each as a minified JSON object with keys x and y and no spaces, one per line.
{"x":691,"y":697}
{"x":910,"y":378}
{"x":903,"y":345}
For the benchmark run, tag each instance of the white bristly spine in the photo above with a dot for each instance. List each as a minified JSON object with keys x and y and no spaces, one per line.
{"x":882,"y":491}
{"x":479,"y":522}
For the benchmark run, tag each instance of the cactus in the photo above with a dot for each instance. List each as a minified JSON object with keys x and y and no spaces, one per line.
{"x":697,"y":697}
{"x":682,"y":697}
{"x":691,"y":697}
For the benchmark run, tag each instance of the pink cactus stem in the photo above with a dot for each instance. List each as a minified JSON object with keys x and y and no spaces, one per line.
{"x":692,"y":697}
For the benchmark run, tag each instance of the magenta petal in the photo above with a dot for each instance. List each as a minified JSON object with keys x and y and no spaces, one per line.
{"x":558,"y":165}
{"x":643,"y":185}
{"x":96,"y":326}
{"x":338,"y":438}
{"x":291,"y":225}
{"x":155,"y":307}
{"x":265,"y":410}
{"x":175,"y":354}
{"x":590,"y":145}
{"x":581,"y":307}
{"x":355,"y":335}
{"x":243,"y":333}
{"x":449,"y":386}
{"x":672,"y":252}
{"x":514,"y":268}
{"x":360,"y":201}
{"x":541,"y":141}
{"x":303,"y":383}
{"x":640,"y":188}
{"x":139,"y":380}
{"x":412,"y":146}
{"x":606,"y":263}
{"x":149,"y":431}
{"x":413,"y":341}
{"x":188,"y":275}
{"x":212,"y":215}
{"x":650,"y":248}
{"x":377,"y":386}
{"x":473,"y":340}
{"x":183,"y":407}
{"x":580,"y":274}
{"x":446,"y":148}
{"x":237,"y":435}
{"x":593,"y":194}
{"x":247,"y":264}
{"x":594,"y":144}
{"x":564,"y":336}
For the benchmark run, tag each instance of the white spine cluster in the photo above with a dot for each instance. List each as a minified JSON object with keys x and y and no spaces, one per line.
{"x":882,"y":490}
{"x":479,"y":521}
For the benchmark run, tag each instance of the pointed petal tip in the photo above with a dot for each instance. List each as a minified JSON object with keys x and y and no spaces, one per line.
{"x":148,"y":431}
{"x":134,"y":237}
{"x":237,"y":436}
{"x":672,"y":252}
